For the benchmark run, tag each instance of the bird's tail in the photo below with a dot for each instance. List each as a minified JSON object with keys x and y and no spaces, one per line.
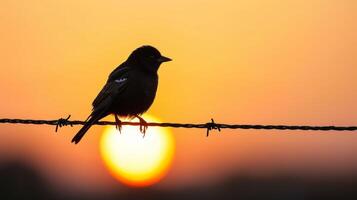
{"x":89,"y":122}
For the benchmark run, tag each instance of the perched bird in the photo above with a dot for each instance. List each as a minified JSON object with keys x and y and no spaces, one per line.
{"x":130,"y":90}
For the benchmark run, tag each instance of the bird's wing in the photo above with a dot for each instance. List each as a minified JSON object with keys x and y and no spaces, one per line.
{"x":120,"y":71}
{"x":116,"y":83}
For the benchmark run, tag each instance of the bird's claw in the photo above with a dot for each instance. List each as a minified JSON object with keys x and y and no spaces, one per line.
{"x":143,"y":125}
{"x":118,"y":125}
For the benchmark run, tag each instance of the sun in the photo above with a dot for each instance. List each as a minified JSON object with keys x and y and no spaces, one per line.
{"x":136,"y":160}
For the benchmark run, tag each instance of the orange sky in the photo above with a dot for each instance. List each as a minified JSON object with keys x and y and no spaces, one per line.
{"x":269,"y":62}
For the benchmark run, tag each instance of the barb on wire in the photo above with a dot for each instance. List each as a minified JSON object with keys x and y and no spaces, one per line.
{"x":208,"y":126}
{"x":63,"y":122}
{"x":211,"y":125}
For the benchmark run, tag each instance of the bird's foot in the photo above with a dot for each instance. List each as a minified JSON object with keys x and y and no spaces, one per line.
{"x":143,"y":125}
{"x":117,"y":123}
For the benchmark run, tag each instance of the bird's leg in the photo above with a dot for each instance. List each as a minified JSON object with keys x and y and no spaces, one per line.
{"x":143,"y":125}
{"x":117,"y":123}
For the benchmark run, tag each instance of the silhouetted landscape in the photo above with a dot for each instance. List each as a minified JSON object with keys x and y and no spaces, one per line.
{"x":21,"y":181}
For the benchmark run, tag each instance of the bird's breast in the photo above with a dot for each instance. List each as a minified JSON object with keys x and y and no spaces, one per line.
{"x":144,"y":88}
{"x":138,"y":95}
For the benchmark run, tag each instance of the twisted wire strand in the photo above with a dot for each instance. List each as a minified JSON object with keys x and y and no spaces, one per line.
{"x":209,"y":125}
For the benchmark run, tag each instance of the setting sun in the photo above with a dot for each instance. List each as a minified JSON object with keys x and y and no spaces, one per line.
{"x":135,"y":160}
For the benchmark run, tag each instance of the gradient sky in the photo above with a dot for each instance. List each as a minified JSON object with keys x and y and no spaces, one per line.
{"x":255,"y":62}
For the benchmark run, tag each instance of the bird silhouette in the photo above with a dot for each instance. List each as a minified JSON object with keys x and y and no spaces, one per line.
{"x":129,"y":91}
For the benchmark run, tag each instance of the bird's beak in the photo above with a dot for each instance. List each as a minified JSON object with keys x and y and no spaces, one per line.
{"x":163,"y":59}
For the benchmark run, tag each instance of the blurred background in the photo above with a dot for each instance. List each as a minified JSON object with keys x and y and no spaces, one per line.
{"x":249,"y":62}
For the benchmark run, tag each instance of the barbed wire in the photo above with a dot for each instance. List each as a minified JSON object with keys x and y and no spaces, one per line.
{"x":209,"y":125}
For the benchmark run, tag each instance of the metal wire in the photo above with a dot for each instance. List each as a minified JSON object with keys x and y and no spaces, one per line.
{"x":209,"y":126}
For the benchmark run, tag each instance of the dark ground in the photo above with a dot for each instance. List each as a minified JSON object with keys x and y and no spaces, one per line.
{"x":20,"y":181}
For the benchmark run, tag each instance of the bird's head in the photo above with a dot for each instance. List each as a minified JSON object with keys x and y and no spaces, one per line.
{"x":147,"y":57}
